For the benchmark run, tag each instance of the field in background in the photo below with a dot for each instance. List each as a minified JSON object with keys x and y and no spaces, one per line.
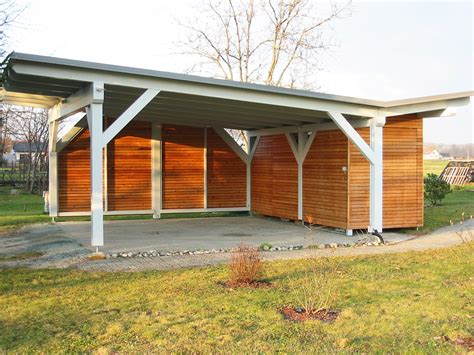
{"x":434,"y":166}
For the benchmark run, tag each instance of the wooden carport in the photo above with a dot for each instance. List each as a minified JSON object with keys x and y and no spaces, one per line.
{"x":293,"y":118}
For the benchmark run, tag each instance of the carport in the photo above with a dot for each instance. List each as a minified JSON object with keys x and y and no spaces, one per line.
{"x":67,"y":87}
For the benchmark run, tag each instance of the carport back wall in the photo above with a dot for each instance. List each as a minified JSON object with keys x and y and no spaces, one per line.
{"x":274,"y":180}
{"x":129,"y":170}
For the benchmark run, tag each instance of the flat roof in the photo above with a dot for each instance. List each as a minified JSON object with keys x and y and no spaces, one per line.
{"x":44,"y":81}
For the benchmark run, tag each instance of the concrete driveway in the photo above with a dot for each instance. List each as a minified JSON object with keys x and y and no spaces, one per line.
{"x":170,"y":235}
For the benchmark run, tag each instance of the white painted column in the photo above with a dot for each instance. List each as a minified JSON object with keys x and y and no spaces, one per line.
{"x":94,"y":117}
{"x":156,"y":169}
{"x":302,"y":140}
{"x":53,"y":165}
{"x":376,"y":174}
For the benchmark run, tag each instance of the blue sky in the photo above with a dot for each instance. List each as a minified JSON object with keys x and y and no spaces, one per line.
{"x":386,"y":50}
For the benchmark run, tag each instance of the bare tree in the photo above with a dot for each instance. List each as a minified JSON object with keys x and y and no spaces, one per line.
{"x":9,"y":12}
{"x":30,"y":125}
{"x":275,"y":42}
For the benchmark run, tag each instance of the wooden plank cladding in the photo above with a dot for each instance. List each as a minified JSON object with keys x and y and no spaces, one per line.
{"x":324,"y":181}
{"x":226,"y":174}
{"x":402,"y":174}
{"x":274,"y":178}
{"x":129,"y":168}
{"x":183,"y":167}
{"x":74,"y":177}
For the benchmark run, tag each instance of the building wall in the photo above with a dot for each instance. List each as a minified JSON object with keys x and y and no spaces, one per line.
{"x":129,"y":168}
{"x":274,"y":178}
{"x":226,"y":174}
{"x":183,"y":167}
{"x":324,"y":181}
{"x":74,"y":178}
{"x":129,"y":171}
{"x":402,"y":172}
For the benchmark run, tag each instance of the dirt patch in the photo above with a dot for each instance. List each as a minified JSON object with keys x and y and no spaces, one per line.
{"x":468,"y":343}
{"x":253,"y":284}
{"x":297,"y":314}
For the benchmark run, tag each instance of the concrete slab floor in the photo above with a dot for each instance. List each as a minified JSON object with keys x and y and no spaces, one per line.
{"x":169,"y":235}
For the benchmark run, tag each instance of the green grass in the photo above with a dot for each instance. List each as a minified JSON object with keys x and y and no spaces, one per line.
{"x":399,"y":303}
{"x":21,"y":209}
{"x":460,"y":200}
{"x":433,"y":166}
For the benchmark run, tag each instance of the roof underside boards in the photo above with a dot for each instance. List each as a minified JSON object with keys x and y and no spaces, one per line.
{"x":44,"y":81}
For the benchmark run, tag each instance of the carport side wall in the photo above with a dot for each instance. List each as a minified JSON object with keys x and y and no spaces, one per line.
{"x":402,"y":180}
{"x":325,"y":198}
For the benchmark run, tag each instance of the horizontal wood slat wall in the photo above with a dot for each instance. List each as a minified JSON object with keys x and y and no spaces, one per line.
{"x":129,"y":168}
{"x":274,"y":178}
{"x":183,"y":167}
{"x":74,"y":177}
{"x":403,"y":176}
{"x":324,"y":181}
{"x":226,"y":174}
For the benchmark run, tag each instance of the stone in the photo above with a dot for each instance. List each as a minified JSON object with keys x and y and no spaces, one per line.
{"x":333,"y":245}
{"x":114,"y":255}
{"x":299,"y":310}
{"x":161,"y":253}
{"x":321,"y":246}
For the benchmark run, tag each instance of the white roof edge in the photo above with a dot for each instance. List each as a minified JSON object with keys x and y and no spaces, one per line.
{"x":16,"y":56}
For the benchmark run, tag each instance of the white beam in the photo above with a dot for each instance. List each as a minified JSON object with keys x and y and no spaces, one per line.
{"x":293,"y":145}
{"x":230,"y":141}
{"x":352,"y":134}
{"x":302,"y":141}
{"x":95,"y":120}
{"x":156,"y":169}
{"x":376,"y":175}
{"x":53,"y":163}
{"x":308,"y":144}
{"x":311,"y":127}
{"x":92,"y":93}
{"x":129,"y":114}
{"x":71,"y":134}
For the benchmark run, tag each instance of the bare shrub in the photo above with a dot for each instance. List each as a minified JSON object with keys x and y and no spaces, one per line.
{"x":465,"y":233}
{"x":316,"y":292}
{"x":245,"y":266}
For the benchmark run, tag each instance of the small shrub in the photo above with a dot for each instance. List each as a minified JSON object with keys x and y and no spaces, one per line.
{"x":316,"y":292}
{"x":245,"y":266}
{"x":435,"y":189}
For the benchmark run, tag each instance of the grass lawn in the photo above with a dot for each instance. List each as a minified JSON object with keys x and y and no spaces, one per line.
{"x":405,"y":303}
{"x":455,"y":203}
{"x":434,"y":166}
{"x":20,"y":209}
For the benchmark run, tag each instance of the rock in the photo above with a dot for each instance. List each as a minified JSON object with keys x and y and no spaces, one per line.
{"x":299,"y":310}
{"x":333,"y":245}
{"x":321,"y":246}
{"x":114,"y":255}
{"x":168,"y":254}
{"x":161,"y":253}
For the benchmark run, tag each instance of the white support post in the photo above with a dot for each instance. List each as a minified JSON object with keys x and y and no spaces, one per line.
{"x":156,"y":169}
{"x":205,"y":167}
{"x":302,"y":141}
{"x":53,"y":163}
{"x":95,"y":120}
{"x":252,"y":147}
{"x":376,"y":175}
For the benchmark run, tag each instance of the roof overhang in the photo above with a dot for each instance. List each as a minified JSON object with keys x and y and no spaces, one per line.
{"x":39,"y":81}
